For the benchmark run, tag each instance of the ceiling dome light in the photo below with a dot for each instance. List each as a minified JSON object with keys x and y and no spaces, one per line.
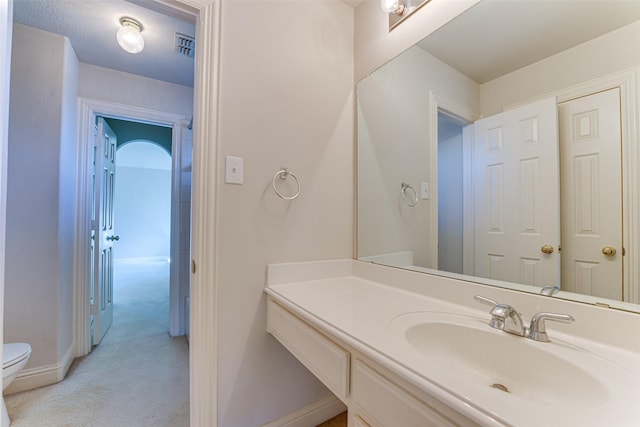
{"x":392,"y":6}
{"x":129,"y":37}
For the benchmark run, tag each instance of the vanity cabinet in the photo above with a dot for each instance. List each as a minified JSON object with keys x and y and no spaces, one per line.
{"x":380,"y":401}
{"x":375,"y":396}
{"x":323,"y":357}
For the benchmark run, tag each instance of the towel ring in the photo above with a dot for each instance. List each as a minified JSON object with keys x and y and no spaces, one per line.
{"x":284,"y":173}
{"x":412,"y":201}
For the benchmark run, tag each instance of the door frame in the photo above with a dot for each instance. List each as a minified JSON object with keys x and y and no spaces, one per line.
{"x":203,"y":337}
{"x":88,"y":110}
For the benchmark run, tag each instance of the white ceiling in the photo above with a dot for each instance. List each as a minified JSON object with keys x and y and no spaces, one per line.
{"x":91,"y":27}
{"x":496,"y":37}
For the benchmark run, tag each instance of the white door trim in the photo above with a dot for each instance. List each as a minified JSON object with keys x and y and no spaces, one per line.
{"x":203,"y":336}
{"x":626,"y":82}
{"x":88,"y":109}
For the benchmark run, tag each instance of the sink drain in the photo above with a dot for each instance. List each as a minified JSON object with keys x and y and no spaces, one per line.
{"x":500,"y":387}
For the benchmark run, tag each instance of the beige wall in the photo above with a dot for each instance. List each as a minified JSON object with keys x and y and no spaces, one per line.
{"x":610,"y":53}
{"x":6,"y":26}
{"x":375,"y":44}
{"x":39,"y":260}
{"x":119,"y":87}
{"x":286,"y":100}
{"x":66,"y":200}
{"x":393,"y":147}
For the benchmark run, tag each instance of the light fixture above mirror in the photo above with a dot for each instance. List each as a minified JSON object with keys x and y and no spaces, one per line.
{"x":392,"y":6}
{"x":129,"y":35}
{"x":399,"y":10}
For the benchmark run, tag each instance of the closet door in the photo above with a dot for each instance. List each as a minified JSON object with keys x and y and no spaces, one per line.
{"x":591,"y":154}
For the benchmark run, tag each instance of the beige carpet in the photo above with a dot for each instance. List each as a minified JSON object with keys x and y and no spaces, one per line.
{"x":137,"y":377}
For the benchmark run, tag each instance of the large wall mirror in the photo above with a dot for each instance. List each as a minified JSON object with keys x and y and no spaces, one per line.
{"x":502,"y":149}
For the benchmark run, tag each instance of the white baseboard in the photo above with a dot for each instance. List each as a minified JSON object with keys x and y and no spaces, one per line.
{"x":41,"y":376}
{"x":311,"y":415}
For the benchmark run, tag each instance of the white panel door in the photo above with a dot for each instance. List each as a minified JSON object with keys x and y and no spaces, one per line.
{"x":105,"y":171}
{"x":516,"y":195}
{"x":591,"y":156}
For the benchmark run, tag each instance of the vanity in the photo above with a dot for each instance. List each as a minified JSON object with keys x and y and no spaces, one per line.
{"x":497,"y":284}
{"x":403,"y":348}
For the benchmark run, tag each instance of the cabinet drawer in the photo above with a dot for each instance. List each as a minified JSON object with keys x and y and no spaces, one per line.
{"x":387,"y":405}
{"x":324,"y":358}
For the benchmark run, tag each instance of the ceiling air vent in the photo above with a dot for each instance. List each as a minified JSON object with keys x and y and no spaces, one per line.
{"x":185,"y":45}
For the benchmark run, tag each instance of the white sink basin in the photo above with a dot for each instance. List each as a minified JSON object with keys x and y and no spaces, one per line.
{"x":480,"y":356}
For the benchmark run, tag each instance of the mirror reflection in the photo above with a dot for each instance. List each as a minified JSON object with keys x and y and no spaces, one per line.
{"x":502,"y":148}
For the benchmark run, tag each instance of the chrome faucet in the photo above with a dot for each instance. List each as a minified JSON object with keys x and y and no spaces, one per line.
{"x":538,"y":331}
{"x":506,"y":318}
{"x":549,"y":290}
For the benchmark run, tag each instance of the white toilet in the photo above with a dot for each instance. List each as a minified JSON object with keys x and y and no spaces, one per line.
{"x":14,"y":357}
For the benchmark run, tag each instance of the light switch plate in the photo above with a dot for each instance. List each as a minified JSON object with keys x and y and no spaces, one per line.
{"x":234,"y":170}
{"x":425,"y":191}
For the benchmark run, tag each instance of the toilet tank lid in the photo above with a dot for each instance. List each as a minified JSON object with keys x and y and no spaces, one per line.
{"x":14,"y":352}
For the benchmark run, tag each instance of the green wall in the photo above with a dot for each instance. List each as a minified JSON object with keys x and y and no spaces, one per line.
{"x":130,"y":131}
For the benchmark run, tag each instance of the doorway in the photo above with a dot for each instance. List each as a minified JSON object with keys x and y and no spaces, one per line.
{"x":142,"y":205}
{"x":181,"y":141}
{"x":206,"y":14}
{"x":450,"y":192}
{"x":137,"y":205}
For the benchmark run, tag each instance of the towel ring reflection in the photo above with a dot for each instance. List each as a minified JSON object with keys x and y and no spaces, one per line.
{"x":411,"y":200}
{"x":284,"y":173}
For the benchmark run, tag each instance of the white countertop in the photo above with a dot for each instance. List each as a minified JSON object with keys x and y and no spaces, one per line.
{"x":365,"y":315}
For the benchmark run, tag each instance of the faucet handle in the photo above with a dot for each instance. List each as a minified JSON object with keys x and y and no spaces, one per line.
{"x":538,"y":331}
{"x":485,"y":300}
{"x":496,"y":322}
{"x":503,"y":316}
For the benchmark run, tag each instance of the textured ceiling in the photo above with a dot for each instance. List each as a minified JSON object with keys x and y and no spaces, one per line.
{"x":496,"y":37}
{"x":91,"y":27}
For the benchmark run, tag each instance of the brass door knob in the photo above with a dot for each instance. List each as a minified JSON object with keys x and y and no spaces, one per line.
{"x":609,"y":251}
{"x":546,"y":249}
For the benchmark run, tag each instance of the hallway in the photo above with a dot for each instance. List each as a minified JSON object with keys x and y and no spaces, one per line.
{"x":138,"y":376}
